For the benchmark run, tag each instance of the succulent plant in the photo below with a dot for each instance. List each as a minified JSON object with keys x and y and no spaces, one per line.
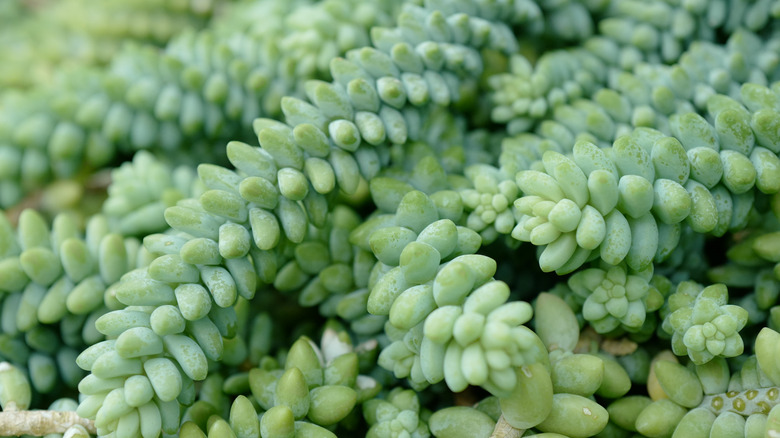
{"x":513,"y":218}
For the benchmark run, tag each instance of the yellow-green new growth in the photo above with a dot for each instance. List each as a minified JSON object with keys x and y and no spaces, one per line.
{"x":702,"y":325}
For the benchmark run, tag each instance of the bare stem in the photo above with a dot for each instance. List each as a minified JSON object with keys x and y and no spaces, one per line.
{"x":39,"y":423}
{"x":505,"y":430}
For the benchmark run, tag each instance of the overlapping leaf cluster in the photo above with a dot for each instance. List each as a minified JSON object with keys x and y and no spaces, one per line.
{"x":376,"y":175}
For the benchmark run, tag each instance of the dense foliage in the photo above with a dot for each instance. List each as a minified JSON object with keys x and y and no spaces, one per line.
{"x":450,"y":218}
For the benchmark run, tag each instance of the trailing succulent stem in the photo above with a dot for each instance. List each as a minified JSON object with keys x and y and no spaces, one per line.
{"x":460,"y":218}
